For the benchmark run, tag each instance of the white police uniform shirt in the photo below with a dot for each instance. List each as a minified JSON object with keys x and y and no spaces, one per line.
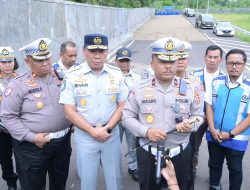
{"x":150,"y":106}
{"x":95,"y":96}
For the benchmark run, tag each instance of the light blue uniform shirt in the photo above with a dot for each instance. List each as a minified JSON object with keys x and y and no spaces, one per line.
{"x":95,"y":95}
{"x":131,"y":78}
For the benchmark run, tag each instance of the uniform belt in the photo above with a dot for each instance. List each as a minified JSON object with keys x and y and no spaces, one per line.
{"x":170,"y":152}
{"x":59,"y":134}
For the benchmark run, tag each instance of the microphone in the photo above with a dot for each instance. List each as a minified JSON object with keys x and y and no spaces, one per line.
{"x":160,"y":151}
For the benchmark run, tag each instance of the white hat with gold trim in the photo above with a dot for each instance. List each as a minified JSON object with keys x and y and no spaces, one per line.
{"x":6,"y":54}
{"x":166,"y":49}
{"x":184,"y":50}
{"x":38,"y":49}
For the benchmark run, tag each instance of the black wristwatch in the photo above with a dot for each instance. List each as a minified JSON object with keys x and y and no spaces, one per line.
{"x":231,"y":135}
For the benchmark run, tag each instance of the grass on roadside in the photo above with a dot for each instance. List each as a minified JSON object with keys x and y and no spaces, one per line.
{"x":243,"y":37}
{"x":240,"y":20}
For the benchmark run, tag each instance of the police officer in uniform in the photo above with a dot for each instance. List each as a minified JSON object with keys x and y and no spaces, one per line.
{"x":8,"y":65}
{"x":158,"y":106}
{"x":68,"y":54}
{"x":31,"y":113}
{"x":182,"y":65}
{"x":123,"y":60}
{"x":94,"y":96}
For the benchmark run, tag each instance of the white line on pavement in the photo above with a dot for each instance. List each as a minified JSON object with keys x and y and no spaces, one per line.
{"x":229,"y":40}
{"x":234,"y":44}
{"x":214,"y":42}
{"x":232,"y":47}
{"x":225,"y":50}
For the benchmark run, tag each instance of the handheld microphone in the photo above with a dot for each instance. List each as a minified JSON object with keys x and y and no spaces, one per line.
{"x":160,"y":151}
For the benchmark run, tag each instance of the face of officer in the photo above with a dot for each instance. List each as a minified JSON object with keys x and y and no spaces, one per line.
{"x":182,"y":65}
{"x":69,"y":56}
{"x":213,"y":59}
{"x":95,"y":58}
{"x":40,"y":68}
{"x":235,"y":66}
{"x":124,"y":65}
{"x":164,"y":70}
{"x":7,"y":68}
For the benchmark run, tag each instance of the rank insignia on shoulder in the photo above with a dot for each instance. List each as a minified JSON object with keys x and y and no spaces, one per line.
{"x":7,"y":91}
{"x":130,"y":95}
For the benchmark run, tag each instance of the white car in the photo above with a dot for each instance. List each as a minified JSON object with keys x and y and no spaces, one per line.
{"x":223,"y":28}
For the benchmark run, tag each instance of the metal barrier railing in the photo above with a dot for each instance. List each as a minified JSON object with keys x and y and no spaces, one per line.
{"x":242,"y":30}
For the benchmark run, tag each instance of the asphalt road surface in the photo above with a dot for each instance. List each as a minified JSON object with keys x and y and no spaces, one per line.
{"x":156,"y":28}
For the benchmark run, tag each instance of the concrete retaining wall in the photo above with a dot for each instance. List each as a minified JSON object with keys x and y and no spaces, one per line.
{"x":23,"y":21}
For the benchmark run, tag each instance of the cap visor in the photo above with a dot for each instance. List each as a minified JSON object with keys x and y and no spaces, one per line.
{"x":7,"y":59}
{"x":119,"y":58}
{"x":41,"y":57}
{"x":184,"y":56}
{"x":167,"y":57}
{"x":97,"y":47}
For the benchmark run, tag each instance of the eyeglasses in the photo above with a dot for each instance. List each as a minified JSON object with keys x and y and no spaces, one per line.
{"x":237,"y":64}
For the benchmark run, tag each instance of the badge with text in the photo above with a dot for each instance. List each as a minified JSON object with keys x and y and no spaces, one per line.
{"x":7,"y":91}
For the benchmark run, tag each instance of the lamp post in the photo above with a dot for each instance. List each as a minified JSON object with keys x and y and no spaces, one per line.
{"x":207,"y":5}
{"x":197,"y":5}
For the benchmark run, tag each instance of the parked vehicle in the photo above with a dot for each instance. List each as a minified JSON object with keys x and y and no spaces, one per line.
{"x":204,"y":20}
{"x":189,"y":12}
{"x":223,"y":28}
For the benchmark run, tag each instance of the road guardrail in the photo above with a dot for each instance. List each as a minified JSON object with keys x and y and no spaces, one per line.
{"x":242,"y":30}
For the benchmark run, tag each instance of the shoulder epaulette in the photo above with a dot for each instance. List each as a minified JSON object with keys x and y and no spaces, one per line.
{"x":20,"y":76}
{"x":144,"y":82}
{"x":75,"y":68}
